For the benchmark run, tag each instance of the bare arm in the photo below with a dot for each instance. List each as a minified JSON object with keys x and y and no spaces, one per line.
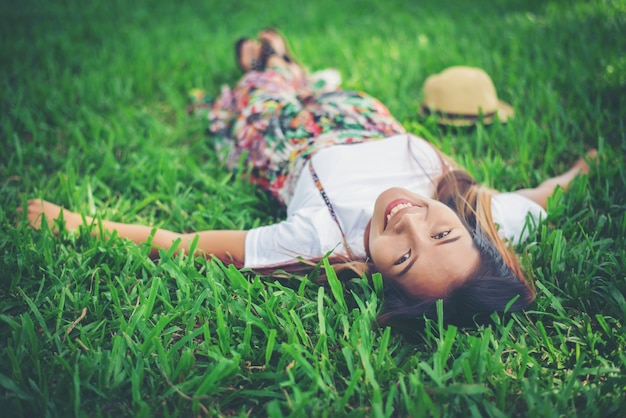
{"x":224,"y":244}
{"x":541,"y":193}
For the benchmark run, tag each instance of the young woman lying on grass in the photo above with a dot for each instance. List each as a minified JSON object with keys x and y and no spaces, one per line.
{"x":360,"y":189}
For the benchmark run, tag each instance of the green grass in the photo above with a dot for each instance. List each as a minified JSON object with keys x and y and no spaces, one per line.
{"x":92,"y":117}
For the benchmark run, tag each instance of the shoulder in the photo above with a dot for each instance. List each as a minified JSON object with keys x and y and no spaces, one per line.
{"x":515,"y":215}
{"x":304,"y":234}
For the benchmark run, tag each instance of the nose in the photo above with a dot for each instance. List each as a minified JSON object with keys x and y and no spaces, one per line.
{"x":412,"y":223}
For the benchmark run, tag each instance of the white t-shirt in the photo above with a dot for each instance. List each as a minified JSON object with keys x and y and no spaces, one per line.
{"x":353,"y":176}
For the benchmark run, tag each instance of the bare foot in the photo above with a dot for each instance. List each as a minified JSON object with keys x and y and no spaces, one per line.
{"x":38,"y":208}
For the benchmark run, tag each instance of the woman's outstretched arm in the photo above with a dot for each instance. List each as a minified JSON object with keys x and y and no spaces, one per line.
{"x":541,"y":193}
{"x":223,"y":244}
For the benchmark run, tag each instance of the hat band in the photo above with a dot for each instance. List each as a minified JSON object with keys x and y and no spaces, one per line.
{"x":456,"y":116}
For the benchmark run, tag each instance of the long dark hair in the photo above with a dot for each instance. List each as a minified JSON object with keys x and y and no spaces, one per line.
{"x":497,"y":284}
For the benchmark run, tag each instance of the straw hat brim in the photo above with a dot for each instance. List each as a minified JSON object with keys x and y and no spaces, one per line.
{"x":503,"y":112}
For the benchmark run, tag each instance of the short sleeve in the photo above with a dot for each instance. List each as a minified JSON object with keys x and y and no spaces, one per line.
{"x":287,"y":241}
{"x":515,"y":215}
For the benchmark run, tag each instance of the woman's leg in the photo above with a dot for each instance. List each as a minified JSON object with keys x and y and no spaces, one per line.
{"x":262,"y":100}
{"x":361,"y":112}
{"x":274,"y":118}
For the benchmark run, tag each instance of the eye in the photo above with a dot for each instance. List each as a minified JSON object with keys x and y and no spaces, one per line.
{"x":441,"y":235}
{"x":403,"y":259}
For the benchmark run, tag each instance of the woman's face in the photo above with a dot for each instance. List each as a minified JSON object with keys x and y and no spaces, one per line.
{"x":419,"y":243}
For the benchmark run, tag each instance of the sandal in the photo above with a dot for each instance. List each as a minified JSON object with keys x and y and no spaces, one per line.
{"x":276,"y":46}
{"x":256,"y":63}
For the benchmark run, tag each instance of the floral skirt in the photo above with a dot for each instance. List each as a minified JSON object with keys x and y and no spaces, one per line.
{"x":275,"y":124}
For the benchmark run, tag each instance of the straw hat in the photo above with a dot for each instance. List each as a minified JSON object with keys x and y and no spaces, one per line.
{"x":460,"y":95}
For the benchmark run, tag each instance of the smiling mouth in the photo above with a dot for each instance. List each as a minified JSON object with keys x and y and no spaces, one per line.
{"x":394,"y":207}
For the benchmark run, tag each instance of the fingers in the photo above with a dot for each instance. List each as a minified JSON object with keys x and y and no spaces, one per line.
{"x":36,"y":209}
{"x":34,"y":213}
{"x":582,"y":166}
{"x":592,"y":153}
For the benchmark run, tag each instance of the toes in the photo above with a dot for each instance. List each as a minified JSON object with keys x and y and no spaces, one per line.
{"x":248,"y":54}
{"x":275,"y":41}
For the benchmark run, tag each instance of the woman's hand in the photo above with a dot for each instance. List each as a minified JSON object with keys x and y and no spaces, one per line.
{"x":38,"y":209}
{"x":227,"y":245}
{"x":541,"y":193}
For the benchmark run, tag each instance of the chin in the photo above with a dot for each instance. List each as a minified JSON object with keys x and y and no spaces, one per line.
{"x":393,"y":193}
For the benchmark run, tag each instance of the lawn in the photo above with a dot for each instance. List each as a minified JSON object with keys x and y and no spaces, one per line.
{"x":93,"y":117}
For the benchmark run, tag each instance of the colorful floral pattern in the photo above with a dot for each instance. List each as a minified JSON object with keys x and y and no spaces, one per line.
{"x":276,"y":124}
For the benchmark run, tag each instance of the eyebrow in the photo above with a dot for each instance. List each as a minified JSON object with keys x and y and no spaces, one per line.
{"x":408,"y":266}
{"x":414,"y":259}
{"x":449,"y":241}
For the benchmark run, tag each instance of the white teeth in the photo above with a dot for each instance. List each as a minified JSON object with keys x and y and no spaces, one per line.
{"x":397,"y":208}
